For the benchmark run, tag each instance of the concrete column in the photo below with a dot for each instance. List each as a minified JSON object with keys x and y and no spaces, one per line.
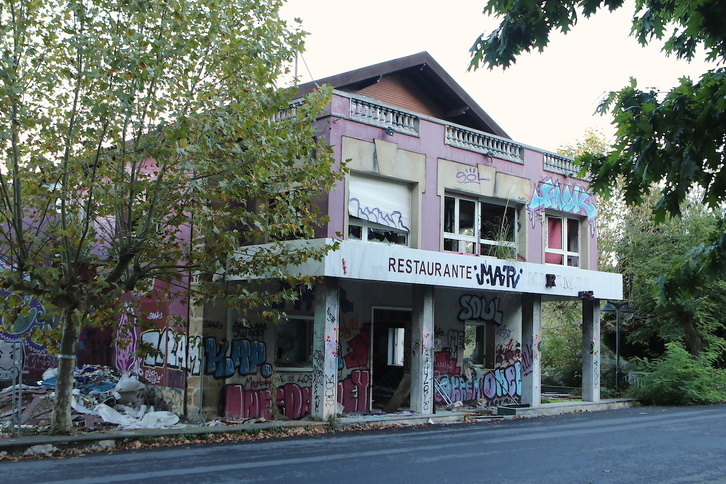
{"x":325,"y":350}
{"x":422,"y":340}
{"x":195,"y":380}
{"x":531,"y":360}
{"x":590,"y":350}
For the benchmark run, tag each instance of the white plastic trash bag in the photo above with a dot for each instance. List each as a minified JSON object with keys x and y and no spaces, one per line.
{"x":158,"y":420}
{"x":110,"y":415}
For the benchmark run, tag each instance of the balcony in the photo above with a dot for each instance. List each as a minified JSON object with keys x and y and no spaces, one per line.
{"x":386,"y":117}
{"x":383,"y":116}
{"x":486,"y":144}
{"x":560,"y":164}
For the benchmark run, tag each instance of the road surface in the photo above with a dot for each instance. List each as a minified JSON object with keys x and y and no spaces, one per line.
{"x":637,"y":445}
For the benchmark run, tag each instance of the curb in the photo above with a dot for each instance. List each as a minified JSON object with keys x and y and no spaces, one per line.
{"x":46,"y":445}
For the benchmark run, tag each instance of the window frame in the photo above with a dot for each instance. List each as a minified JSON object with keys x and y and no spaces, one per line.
{"x":484,"y":339}
{"x":372,"y":228}
{"x":476,"y":244}
{"x":295,"y":365}
{"x":565,"y":250}
{"x":372,"y":231}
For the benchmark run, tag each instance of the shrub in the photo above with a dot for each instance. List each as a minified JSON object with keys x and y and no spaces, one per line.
{"x":679,"y":378}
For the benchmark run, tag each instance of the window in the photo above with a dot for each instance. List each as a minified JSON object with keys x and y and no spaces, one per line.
{"x":294,"y":345}
{"x":563,"y":241}
{"x":479,"y":344}
{"x":482,"y":228}
{"x":379,"y":210}
{"x":396,"y":339}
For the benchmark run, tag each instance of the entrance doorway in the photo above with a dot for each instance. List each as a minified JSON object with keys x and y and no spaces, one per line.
{"x":391,"y":359}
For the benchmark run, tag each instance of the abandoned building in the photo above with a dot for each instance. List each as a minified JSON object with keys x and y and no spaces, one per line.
{"x":451,"y":235}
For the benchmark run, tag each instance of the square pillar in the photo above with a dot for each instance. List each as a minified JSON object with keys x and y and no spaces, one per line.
{"x":590,"y":350}
{"x":325,"y":350}
{"x":422,"y":340}
{"x":531,"y":356}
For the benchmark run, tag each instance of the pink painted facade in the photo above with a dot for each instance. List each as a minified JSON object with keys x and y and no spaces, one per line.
{"x":451,"y":234}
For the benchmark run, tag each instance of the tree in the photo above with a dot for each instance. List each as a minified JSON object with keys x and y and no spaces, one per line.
{"x":673,"y":141}
{"x":147,"y":140}
{"x":648,"y":249}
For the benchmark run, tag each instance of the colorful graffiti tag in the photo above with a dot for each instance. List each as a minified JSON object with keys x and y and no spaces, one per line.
{"x":247,"y":357}
{"x":552,"y":195}
{"x":502,"y":385}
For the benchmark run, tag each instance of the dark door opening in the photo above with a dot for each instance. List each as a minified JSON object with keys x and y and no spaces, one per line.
{"x":391,"y":356}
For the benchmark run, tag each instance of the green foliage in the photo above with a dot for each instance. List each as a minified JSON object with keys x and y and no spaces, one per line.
{"x":668,"y":141}
{"x":146,"y":141}
{"x":561,"y":340}
{"x":645,"y":251}
{"x":678,"y":378}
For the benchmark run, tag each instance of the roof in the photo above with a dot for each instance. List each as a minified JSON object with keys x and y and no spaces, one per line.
{"x":426,"y":76}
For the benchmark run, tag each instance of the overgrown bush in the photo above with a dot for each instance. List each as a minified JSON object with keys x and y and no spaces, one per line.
{"x":679,"y":378}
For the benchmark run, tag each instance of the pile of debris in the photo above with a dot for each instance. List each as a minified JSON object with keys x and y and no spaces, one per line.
{"x":102,"y":398}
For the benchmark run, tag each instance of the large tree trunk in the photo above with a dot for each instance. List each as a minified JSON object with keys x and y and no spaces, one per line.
{"x":61,"y":422}
{"x":693,"y":339}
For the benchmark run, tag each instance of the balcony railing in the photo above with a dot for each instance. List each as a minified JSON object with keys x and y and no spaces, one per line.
{"x":484,"y":143}
{"x":560,"y":164}
{"x":385,"y":117}
{"x":375,"y":114}
{"x":290,"y":112}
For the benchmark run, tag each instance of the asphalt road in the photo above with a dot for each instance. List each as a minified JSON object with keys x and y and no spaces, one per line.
{"x":637,"y":445}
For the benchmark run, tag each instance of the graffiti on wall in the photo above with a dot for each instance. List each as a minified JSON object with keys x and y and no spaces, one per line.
{"x":502,"y":385}
{"x":162,"y":355}
{"x":479,"y":308}
{"x":470,"y":175}
{"x":173,"y":350}
{"x":530,"y":354}
{"x":246,"y":357}
{"x":553,"y":195}
{"x":31,"y":317}
{"x":499,"y":275}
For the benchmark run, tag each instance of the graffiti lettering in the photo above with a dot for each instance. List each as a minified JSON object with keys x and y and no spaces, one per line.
{"x":293,"y":400}
{"x":470,"y":175}
{"x":456,"y":342}
{"x":477,"y":308}
{"x":243,"y":403}
{"x":551,"y":195}
{"x":354,"y":392}
{"x":242,"y":331}
{"x":247,"y":356}
{"x":171,"y":349}
{"x":213,"y":324}
{"x":500,"y":385}
{"x":503,"y":276}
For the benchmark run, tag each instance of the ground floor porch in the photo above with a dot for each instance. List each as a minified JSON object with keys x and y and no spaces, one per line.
{"x":391,"y":329}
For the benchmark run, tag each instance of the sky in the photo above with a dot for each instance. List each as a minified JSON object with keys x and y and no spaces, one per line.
{"x":546,"y":100}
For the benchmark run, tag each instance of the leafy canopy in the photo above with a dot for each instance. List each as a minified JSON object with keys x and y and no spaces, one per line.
{"x":674,"y":140}
{"x":144,"y":142}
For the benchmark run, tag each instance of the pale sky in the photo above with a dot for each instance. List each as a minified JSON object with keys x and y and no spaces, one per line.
{"x":545,"y":100}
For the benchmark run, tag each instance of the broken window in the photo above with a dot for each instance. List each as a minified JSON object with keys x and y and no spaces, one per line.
{"x":478,"y":227}
{"x":294,"y":342}
{"x":379,"y":210}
